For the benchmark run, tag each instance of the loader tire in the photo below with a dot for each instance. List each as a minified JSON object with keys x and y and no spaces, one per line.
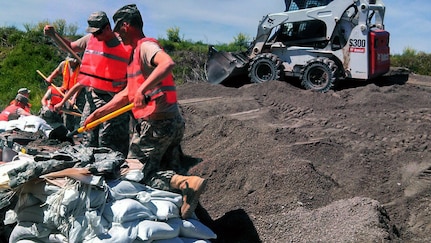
{"x":265,"y":67}
{"x":319,"y":75}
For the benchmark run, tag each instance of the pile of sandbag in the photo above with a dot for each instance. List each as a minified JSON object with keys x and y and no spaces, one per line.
{"x":83,"y":207}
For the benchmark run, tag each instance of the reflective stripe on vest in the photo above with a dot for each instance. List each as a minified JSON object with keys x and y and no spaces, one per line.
{"x":104,"y":67}
{"x":69,"y":79}
{"x":135,"y":79}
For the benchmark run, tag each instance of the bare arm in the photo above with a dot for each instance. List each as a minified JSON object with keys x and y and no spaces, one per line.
{"x":54,"y":74}
{"x":164,"y":66}
{"x":22,"y":112}
{"x":45,"y":99}
{"x":76,"y":88}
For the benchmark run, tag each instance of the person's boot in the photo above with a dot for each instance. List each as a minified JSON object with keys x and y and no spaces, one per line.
{"x":191,"y":188}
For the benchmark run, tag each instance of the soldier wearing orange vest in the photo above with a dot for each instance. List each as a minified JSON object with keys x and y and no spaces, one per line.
{"x":49,"y":100}
{"x":26,"y":93}
{"x":15,"y":110}
{"x":103,"y":74}
{"x":69,"y":70}
{"x":160,"y":128}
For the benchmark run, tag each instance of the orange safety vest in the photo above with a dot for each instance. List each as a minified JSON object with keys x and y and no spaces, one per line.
{"x":4,"y":115}
{"x":104,"y":68}
{"x":135,"y":78}
{"x":69,"y":79}
{"x":26,"y":108}
{"x":56,"y":97}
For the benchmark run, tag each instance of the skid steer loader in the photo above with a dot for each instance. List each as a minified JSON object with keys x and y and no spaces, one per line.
{"x":318,"y":41}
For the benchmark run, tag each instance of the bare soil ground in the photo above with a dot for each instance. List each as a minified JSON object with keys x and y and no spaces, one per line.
{"x":289,"y":165}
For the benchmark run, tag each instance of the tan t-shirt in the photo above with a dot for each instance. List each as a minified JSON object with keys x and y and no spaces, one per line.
{"x":148,"y":50}
{"x":82,"y":42}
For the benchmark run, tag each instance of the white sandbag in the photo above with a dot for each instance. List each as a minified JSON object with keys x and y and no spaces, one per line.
{"x":192,"y":228}
{"x":125,"y":232}
{"x":190,"y":240}
{"x":34,"y":214}
{"x":172,"y":240}
{"x":175,"y":198}
{"x":10,"y":217}
{"x":85,"y":227}
{"x":57,"y":238}
{"x":152,"y":230}
{"x":127,"y":209}
{"x":30,"y":231}
{"x":120,"y":189}
{"x":97,"y":197}
{"x":165,"y":209}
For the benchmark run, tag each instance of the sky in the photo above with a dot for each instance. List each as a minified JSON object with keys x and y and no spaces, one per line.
{"x":211,"y":21}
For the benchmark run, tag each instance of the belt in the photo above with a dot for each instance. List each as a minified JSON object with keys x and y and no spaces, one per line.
{"x":158,"y":116}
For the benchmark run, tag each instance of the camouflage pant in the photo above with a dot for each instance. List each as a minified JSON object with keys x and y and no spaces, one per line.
{"x":156,"y":143}
{"x":70,"y":121}
{"x":113,"y":134}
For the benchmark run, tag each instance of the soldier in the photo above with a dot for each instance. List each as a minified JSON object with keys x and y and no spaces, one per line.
{"x":160,"y":127}
{"x":26,"y":93}
{"x":15,"y":110}
{"x":69,"y":70}
{"x":102,"y":73}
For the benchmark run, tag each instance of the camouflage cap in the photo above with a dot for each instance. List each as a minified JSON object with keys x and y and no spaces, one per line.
{"x":126,"y":12}
{"x":21,"y":98}
{"x":96,"y":21}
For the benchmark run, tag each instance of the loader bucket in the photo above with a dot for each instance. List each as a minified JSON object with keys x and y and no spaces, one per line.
{"x":221,"y":65}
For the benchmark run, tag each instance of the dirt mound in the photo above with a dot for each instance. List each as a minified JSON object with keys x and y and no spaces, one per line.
{"x":286,"y":164}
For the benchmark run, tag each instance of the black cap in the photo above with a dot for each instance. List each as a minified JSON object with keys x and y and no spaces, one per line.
{"x":125,"y":13}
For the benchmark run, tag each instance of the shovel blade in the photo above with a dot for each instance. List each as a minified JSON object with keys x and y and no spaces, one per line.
{"x":221,"y":66}
{"x":60,"y":133}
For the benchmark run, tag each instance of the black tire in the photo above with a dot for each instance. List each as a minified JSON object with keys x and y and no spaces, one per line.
{"x":319,"y":75}
{"x":265,"y":67}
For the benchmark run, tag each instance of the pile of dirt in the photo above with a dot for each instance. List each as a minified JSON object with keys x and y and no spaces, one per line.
{"x":289,"y":165}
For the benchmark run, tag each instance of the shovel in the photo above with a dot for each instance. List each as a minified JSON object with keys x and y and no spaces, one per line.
{"x":97,"y":122}
{"x":71,"y":112}
{"x":150,"y":108}
{"x":64,"y":45}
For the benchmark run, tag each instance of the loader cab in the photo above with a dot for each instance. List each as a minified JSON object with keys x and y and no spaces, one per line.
{"x":293,"y":5}
{"x":310,"y":33}
{"x":307,"y":33}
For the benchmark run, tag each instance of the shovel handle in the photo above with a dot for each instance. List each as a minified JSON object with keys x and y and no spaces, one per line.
{"x":97,"y":122}
{"x":67,"y":47}
{"x":58,"y":90}
{"x":155,"y":94}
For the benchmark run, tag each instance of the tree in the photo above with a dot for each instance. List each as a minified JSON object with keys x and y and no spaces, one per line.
{"x":173,"y":34}
{"x":60,"y":26}
{"x":240,"y":43}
